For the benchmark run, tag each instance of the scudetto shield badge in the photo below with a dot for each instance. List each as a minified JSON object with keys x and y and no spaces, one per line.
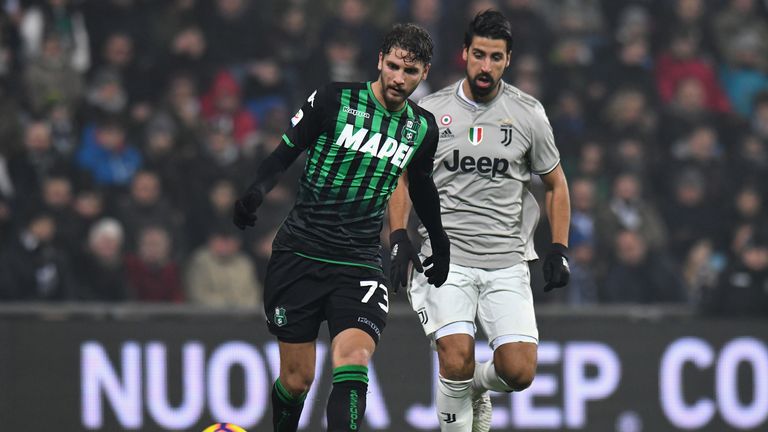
{"x":475,"y":135}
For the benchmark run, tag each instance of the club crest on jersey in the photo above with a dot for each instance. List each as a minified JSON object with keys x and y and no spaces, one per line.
{"x":280,"y":318}
{"x":507,"y":130}
{"x":475,"y":135}
{"x":409,"y":131}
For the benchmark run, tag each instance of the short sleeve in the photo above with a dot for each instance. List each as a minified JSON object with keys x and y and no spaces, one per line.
{"x":544,"y":154}
{"x":307,"y":123}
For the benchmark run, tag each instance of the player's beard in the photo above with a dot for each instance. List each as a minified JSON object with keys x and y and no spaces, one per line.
{"x":482,"y":91}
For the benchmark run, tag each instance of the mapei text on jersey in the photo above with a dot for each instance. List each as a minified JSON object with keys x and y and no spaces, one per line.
{"x":397,"y":153}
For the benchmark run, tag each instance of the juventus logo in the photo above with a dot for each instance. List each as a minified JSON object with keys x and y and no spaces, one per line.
{"x":507,"y":130}
{"x":423,"y":316}
{"x":448,"y":417}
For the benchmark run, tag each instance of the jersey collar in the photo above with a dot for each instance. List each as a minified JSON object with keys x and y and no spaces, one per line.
{"x":382,"y":107}
{"x":461,"y":96}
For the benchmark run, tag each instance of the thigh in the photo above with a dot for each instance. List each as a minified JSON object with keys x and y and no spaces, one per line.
{"x":454,"y":301}
{"x":359,"y":299}
{"x":293,"y":299}
{"x":506,"y":305}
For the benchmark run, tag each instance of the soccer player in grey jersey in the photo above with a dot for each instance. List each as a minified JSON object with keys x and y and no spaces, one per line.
{"x":492,"y":138}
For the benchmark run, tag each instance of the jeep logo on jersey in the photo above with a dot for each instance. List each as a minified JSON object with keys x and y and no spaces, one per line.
{"x":475,"y":135}
{"x":483,"y":165}
{"x":397,"y":153}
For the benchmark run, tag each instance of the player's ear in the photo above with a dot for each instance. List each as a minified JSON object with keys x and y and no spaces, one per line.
{"x":465,"y":53}
{"x":509,"y":58}
{"x":426,"y":71}
{"x":381,"y":61}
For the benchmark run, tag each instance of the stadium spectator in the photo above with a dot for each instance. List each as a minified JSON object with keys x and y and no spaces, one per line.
{"x":152,"y":274}
{"x":639,"y":275}
{"x":100,"y":268}
{"x":146,"y":206}
{"x":31,"y":266}
{"x":741,"y":289}
{"x":61,"y":20}
{"x":49,"y":78}
{"x":106,"y":154}
{"x":220,"y":275}
{"x":38,"y":160}
{"x":684,"y":61}
{"x":629,"y":209}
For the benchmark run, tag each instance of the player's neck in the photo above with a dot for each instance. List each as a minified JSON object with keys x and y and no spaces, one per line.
{"x":479,"y":99}
{"x":378,"y":93}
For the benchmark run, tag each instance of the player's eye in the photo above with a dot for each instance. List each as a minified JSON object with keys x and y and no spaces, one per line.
{"x":497,"y":57}
{"x":411,"y":71}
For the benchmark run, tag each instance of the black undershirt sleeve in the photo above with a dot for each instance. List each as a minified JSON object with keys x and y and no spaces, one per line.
{"x":271,"y":169}
{"x":423,"y":193}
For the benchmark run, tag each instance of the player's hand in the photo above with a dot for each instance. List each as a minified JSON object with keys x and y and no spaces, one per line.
{"x":556,"y":269}
{"x":245,"y":210}
{"x":402,"y":257}
{"x":440,"y":261}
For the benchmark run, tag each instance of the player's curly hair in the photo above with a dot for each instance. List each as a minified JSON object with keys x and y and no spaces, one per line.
{"x":411,"y":38}
{"x":490,"y":24}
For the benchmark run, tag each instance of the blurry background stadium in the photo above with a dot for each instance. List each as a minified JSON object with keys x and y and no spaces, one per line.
{"x":128,"y":128}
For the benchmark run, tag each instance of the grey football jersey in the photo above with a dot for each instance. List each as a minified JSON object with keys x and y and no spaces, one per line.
{"x":483,"y":166}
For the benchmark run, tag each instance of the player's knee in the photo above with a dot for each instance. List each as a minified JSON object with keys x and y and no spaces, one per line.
{"x":297,"y":383}
{"x":353,"y":356}
{"x":457,"y":365}
{"x":517,"y":377}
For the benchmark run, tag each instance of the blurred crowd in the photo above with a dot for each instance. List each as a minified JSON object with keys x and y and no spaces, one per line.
{"x":128,"y":128}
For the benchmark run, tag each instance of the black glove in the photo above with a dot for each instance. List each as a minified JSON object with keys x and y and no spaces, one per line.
{"x":440,"y":261}
{"x":245,"y":210}
{"x":402,"y":256}
{"x":556,"y":270}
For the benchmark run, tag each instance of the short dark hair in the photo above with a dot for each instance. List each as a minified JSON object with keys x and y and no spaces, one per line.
{"x":490,"y":24}
{"x":411,"y":38}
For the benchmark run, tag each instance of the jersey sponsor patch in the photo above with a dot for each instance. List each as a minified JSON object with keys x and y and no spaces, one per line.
{"x":446,"y":133}
{"x":475,"y":135}
{"x":297,"y":117}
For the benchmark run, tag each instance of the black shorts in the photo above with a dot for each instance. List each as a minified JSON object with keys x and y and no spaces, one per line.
{"x":300,"y":293}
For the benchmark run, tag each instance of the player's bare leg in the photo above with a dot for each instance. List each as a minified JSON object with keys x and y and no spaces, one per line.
{"x":297,"y":371}
{"x":351,"y":351}
{"x":512,"y":369}
{"x":456,"y":355}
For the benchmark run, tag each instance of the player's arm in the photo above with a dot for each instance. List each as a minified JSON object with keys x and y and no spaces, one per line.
{"x":306,"y":126}
{"x":402,"y":252}
{"x":426,"y":202}
{"x":558,"y":207}
{"x":545,"y":161}
{"x":558,"y":204}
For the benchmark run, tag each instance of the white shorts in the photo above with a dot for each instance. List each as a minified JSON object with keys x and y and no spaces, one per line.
{"x":500,"y":299}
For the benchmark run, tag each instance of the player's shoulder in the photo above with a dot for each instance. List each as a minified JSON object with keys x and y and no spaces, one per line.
{"x":445,"y":92}
{"x":514,"y":95}
{"x":421,"y":112}
{"x":338,"y":86}
{"x":525,"y":103}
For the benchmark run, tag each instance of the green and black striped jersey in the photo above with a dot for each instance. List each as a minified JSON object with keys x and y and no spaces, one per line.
{"x":356,"y":150}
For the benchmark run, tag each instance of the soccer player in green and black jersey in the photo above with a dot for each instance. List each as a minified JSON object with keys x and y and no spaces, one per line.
{"x":325,"y":264}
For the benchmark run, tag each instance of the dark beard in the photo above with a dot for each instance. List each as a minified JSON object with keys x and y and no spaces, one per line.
{"x":480,"y":92}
